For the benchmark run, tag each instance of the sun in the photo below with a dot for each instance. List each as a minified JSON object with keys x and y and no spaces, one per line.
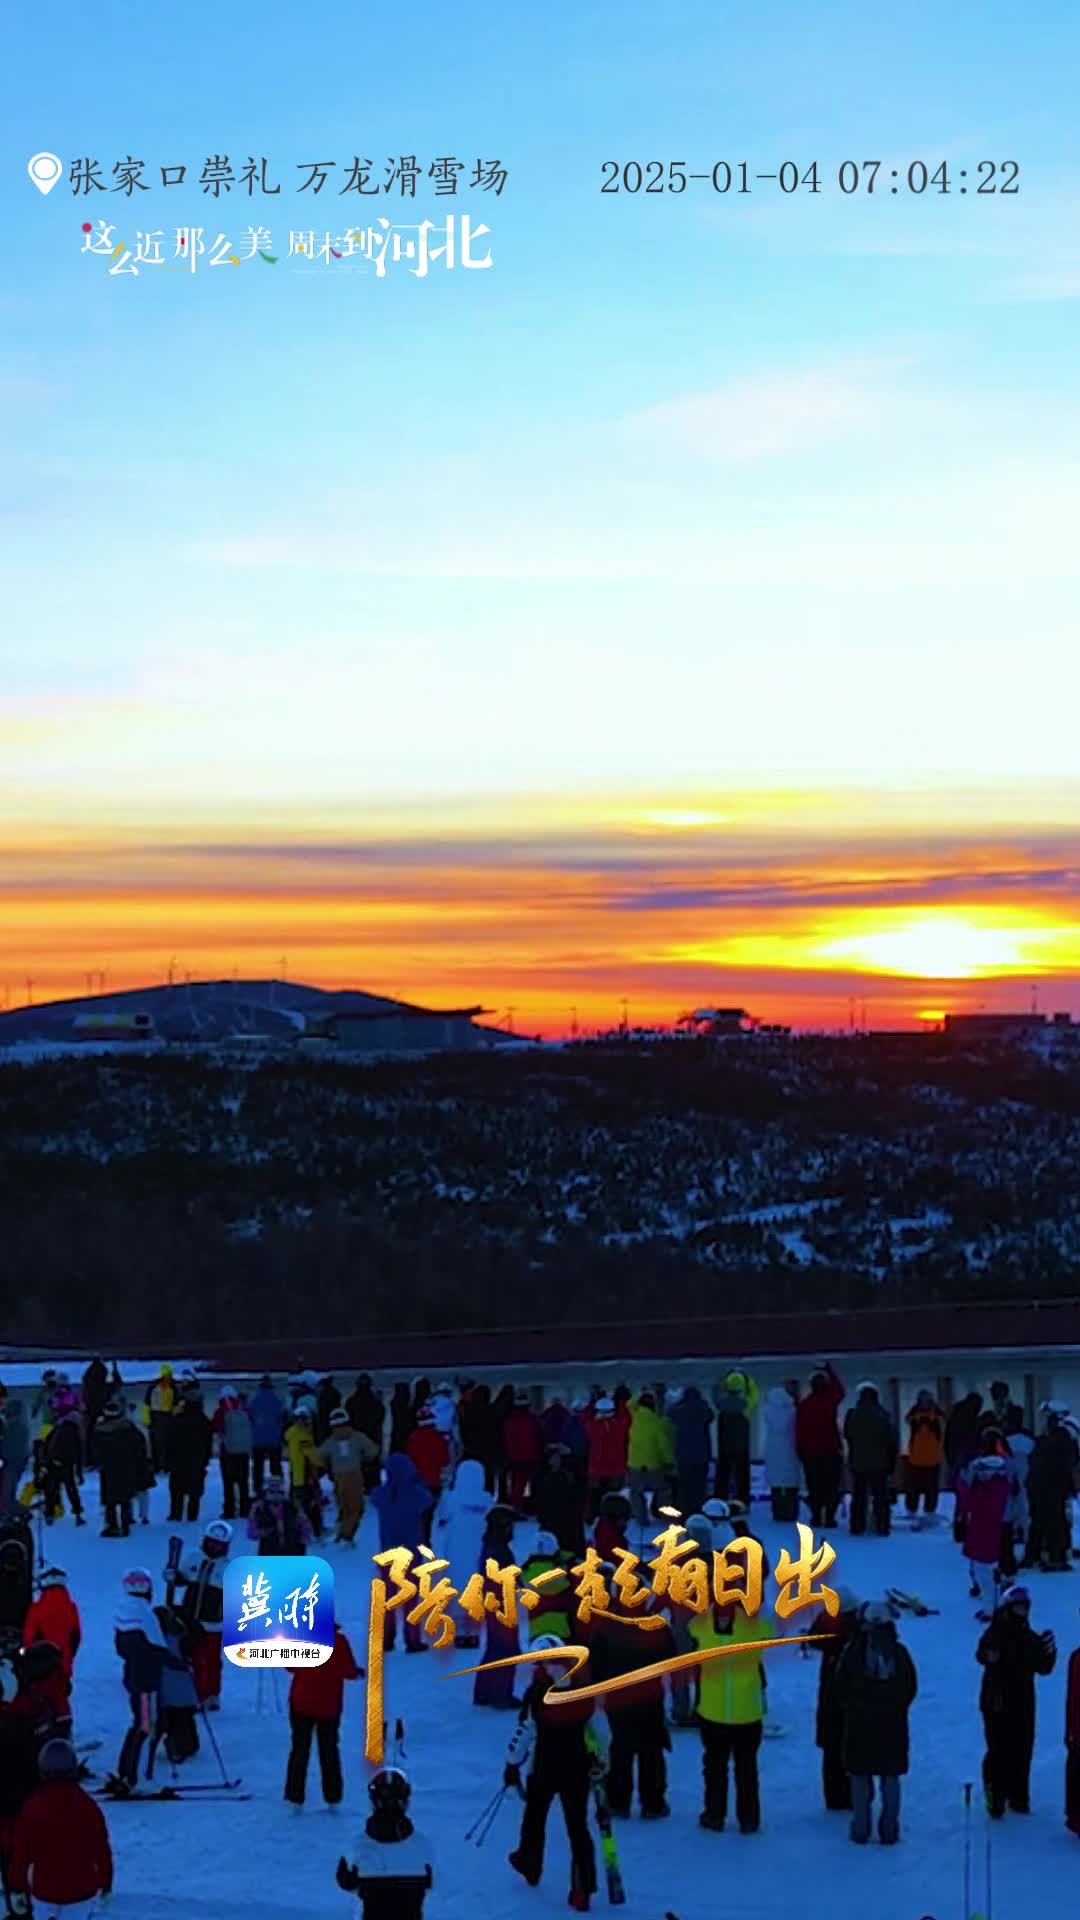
{"x":936,"y":946}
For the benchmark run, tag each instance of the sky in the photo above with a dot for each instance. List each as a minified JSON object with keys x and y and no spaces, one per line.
{"x":679,"y":610}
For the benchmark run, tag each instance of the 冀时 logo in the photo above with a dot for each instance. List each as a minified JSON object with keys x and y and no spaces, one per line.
{"x":278,"y":1609}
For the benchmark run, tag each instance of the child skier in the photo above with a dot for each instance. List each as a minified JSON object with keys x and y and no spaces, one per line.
{"x":390,"y":1871}
{"x":276,"y":1524}
{"x":1011,"y":1654}
{"x":201,"y":1579}
{"x":316,"y":1702}
{"x":560,"y":1766}
{"x":54,"y":1616}
{"x":178,"y":1700}
{"x":60,"y":1855}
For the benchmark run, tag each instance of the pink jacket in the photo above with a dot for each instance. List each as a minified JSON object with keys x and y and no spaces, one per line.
{"x":981,"y":1500}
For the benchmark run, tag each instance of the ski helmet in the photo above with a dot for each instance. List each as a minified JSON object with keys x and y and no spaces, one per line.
{"x":339,"y":1417}
{"x":217,"y":1539}
{"x":1016,"y":1596}
{"x":38,"y":1662}
{"x":52,"y":1577}
{"x":137,"y":1583}
{"x":605,"y":1404}
{"x":551,"y":1643}
{"x":876,"y":1613}
{"x":715,"y":1510}
{"x":699,"y":1528}
{"x":546,"y":1543}
{"x":57,"y":1760}
{"x":390,"y":1788}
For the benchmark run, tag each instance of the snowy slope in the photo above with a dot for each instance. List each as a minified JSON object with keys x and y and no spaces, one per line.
{"x":212,"y":1859}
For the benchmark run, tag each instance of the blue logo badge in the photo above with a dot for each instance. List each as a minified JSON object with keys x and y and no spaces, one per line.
{"x":278,"y":1609}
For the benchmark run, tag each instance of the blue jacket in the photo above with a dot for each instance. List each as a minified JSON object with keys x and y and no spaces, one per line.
{"x":401,"y":1503}
{"x":267,"y":1418}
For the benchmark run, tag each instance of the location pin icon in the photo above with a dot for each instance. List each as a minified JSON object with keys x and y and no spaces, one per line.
{"x":44,"y":170}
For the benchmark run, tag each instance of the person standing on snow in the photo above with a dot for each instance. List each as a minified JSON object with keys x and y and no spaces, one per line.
{"x":982,"y":1499}
{"x":649,"y":1455}
{"x":189,"y":1455}
{"x":782,"y":1469}
{"x":15,"y":1449}
{"x":818,"y":1444}
{"x":1011,"y":1653}
{"x":391,"y":1866}
{"x":327,"y":1400}
{"x":403,"y":1503}
{"x":429,"y":1451}
{"x":231,"y":1426}
{"x":1072,"y":1744}
{"x":459,"y":1531}
{"x":560,"y":1769}
{"x":316,"y":1703}
{"x":523,"y":1446}
{"x":277,"y":1523}
{"x":267,"y":1413}
{"x":963,"y":1442}
{"x":367,"y":1415}
{"x":201,"y":1604}
{"x":731,"y":1709}
{"x":925,"y":1453}
{"x":161,"y":1403}
{"x":874,"y":1685}
{"x":639,"y":1735}
{"x":691,"y":1423}
{"x":345,"y":1455}
{"x":872,"y":1449}
{"x":829,"y":1720}
{"x":734,"y":1409}
{"x":496,"y":1688}
{"x":1051,"y":1483}
{"x":608,"y":1431}
{"x":141,"y":1645}
{"x":61,"y":1458}
{"x":54,"y":1617}
{"x":60,"y":1858}
{"x":121,"y":1458}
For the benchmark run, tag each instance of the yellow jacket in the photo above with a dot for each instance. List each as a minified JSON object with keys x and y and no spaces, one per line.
{"x":301,"y":1452}
{"x":732,"y":1689}
{"x":650,"y":1445}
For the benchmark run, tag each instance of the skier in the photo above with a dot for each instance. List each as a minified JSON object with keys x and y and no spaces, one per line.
{"x":649,"y":1455}
{"x":178,"y":1701}
{"x":731,"y":1708}
{"x":61,"y":1460}
{"x":872,"y":1449}
{"x":267,"y":1413}
{"x":691,"y":1421}
{"x":925,"y":1453}
{"x":1011,"y":1654}
{"x":42,"y":1693}
{"x":60,"y":1854}
{"x":232,"y":1431}
{"x":501,"y":1642}
{"x":734,"y":1409}
{"x":459,"y":1531}
{"x":345,"y":1454}
{"x":1051,"y":1482}
{"x":782,"y":1469}
{"x":276,"y":1523}
{"x":120,"y":1457}
{"x":635,"y":1714}
{"x":316,"y":1702}
{"x":1072,"y":1745}
{"x":160,"y":1403}
{"x":141,"y":1645}
{"x":554,"y":1614}
{"x":201,"y":1581}
{"x":829,"y":1721}
{"x":817,"y":1441}
{"x":403,"y":1503}
{"x":429,"y":1450}
{"x":391,"y":1870}
{"x":560,"y":1767}
{"x":684,"y":1682}
{"x":523,"y":1445}
{"x":53,"y":1616}
{"x":305,"y":1465}
{"x":982,"y":1497}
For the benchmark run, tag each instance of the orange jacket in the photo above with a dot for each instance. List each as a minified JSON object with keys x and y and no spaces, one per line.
{"x":926,"y":1428}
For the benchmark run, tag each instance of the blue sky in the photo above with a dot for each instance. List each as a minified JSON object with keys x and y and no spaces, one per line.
{"x":685,"y":493}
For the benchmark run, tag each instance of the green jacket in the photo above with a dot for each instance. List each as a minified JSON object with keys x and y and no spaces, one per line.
{"x":732,"y":1689}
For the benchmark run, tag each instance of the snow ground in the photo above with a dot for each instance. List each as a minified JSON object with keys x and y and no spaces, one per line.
{"x":260,"y":1857}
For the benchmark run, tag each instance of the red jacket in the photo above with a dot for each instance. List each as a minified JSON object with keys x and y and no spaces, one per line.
{"x":1072,"y":1702}
{"x":60,"y":1846}
{"x":429,"y":1452}
{"x":54,"y":1616}
{"x":817,"y":1430}
{"x":522,"y":1437}
{"x":607,"y":1535}
{"x":608,"y":1437}
{"x":319,"y":1692}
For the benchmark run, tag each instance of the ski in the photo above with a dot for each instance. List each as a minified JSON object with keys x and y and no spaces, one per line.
{"x":910,"y":1603}
{"x":167,"y":1793}
{"x":172,"y":1567}
{"x":609,"y":1851}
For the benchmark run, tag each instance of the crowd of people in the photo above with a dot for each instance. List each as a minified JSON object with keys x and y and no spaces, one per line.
{"x":458,"y":1468}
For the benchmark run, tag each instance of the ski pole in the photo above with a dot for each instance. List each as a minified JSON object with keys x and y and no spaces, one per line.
{"x":210,"y":1734}
{"x":967,"y":1850}
{"x":491,"y":1819}
{"x":492,"y":1807}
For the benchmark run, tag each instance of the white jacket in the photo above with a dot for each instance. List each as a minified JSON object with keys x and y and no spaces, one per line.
{"x":462,"y":1516}
{"x":782,"y":1467}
